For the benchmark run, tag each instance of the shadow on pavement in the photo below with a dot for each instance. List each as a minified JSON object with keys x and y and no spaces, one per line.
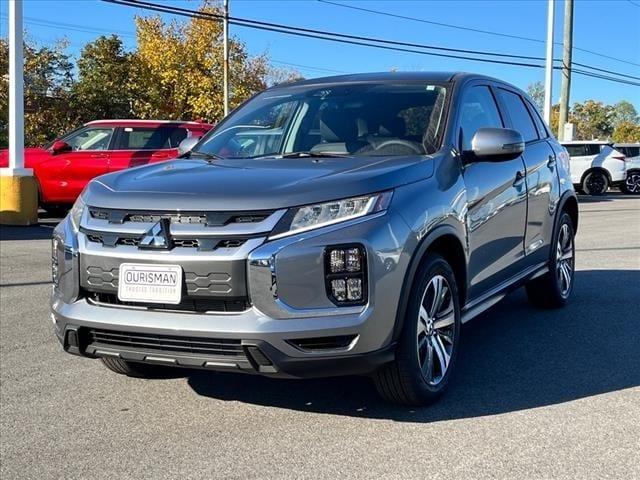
{"x":514,"y":357}
{"x":42,"y":231}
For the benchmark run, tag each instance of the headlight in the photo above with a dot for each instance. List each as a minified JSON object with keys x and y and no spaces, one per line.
{"x":75,"y":215}
{"x":319,"y":215}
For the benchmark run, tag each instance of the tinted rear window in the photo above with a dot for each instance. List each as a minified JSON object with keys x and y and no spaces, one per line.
{"x":520,"y":118}
{"x":149,"y":138}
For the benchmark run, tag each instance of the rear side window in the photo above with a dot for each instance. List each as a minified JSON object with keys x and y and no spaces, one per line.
{"x":149,"y":138}
{"x":576,"y":150}
{"x":478,"y":110}
{"x":520,"y":117}
{"x":542,"y":131}
{"x":593,"y":148}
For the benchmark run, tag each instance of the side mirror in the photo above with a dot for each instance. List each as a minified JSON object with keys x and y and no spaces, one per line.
{"x":496,"y":144}
{"x":187,"y":145}
{"x":60,"y":147}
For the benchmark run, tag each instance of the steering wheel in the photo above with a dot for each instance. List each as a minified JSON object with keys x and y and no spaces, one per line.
{"x":403,"y":143}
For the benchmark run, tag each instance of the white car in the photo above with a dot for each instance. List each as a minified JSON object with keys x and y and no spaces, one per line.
{"x":595,"y":166}
{"x":632,"y":152}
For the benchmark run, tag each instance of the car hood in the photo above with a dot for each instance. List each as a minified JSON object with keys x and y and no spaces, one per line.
{"x":252,"y":184}
{"x":32,"y":156}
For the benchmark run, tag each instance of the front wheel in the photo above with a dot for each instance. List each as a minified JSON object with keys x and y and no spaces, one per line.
{"x":554,"y":288}
{"x":631,"y":185}
{"x":595,"y":183}
{"x":428,"y":344}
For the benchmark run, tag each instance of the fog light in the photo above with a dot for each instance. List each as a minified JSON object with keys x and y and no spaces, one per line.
{"x":346,"y":274}
{"x":336,"y":261}
{"x":339,"y":289}
{"x":354,"y":260}
{"x":354,"y":289}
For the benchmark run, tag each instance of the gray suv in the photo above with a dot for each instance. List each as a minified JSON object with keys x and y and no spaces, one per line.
{"x":344,"y":225}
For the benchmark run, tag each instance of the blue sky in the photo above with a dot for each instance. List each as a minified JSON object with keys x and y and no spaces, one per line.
{"x":610,"y":27}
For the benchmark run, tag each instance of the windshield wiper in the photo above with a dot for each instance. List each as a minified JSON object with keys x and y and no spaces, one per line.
{"x":304,"y":154}
{"x":208,"y":156}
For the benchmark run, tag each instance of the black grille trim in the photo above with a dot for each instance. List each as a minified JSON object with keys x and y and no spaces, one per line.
{"x":209,"y":218}
{"x":188,"y":304}
{"x":202,"y":244}
{"x":319,"y":344}
{"x":171,"y":344}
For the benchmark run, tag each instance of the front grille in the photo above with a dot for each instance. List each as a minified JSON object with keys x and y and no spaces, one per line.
{"x":215,"y":347}
{"x":188,"y":304}
{"x":209,"y":218}
{"x":203,"y":244}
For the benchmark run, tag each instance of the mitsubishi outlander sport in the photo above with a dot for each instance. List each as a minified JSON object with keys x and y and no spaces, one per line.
{"x":335,"y":226}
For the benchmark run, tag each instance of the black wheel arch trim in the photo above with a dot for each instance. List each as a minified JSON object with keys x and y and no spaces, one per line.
{"x":568,"y":195}
{"x":596,"y":169}
{"x":418,"y":255}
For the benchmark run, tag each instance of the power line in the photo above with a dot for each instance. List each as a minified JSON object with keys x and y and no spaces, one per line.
{"x":635,"y":4}
{"x":342,"y":38}
{"x":477,"y":30}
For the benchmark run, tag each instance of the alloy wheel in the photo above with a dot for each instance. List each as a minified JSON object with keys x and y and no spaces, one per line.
{"x":633,"y":183}
{"x":436,"y":330}
{"x":564,"y":260}
{"x":596,"y":184}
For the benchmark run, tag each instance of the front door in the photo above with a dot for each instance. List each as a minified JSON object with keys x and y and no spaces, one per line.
{"x":496,"y":198}
{"x":542,"y":177}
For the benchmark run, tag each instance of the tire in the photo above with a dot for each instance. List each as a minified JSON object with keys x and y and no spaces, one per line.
{"x":135,"y":369}
{"x":596,"y":183}
{"x":631,"y":185}
{"x":416,"y":376}
{"x":554,"y":288}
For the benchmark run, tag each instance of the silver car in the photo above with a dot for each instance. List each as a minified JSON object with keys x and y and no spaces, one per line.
{"x":335,"y":226}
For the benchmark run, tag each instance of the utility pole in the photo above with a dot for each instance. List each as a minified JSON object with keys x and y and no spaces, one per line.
{"x":18,"y":189}
{"x":225,"y":54}
{"x":548,"y":72}
{"x":566,"y":67}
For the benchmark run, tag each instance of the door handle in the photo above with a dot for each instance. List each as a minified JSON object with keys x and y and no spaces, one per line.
{"x":99,"y":155}
{"x":519,"y":178}
{"x":551,"y":162}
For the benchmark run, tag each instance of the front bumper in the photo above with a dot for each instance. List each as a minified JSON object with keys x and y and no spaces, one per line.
{"x":289,"y":308}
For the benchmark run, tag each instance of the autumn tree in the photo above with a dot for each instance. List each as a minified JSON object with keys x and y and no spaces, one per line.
{"x":592,"y":119}
{"x":177,"y":69}
{"x":536,"y":92}
{"x":624,"y":112}
{"x":626,"y":132}
{"x":102,"y":88}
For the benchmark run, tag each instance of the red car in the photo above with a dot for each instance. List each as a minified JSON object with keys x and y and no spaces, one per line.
{"x":65,"y":166}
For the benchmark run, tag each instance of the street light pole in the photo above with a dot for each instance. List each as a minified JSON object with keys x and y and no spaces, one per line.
{"x":18,"y":188}
{"x":225,"y":54}
{"x":548,"y":73}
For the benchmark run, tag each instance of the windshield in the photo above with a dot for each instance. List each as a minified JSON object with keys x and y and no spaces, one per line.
{"x":355,"y":119}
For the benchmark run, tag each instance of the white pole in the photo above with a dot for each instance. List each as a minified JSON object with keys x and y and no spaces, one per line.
{"x":548,"y":73}
{"x":16,"y":92}
{"x":225,"y":53}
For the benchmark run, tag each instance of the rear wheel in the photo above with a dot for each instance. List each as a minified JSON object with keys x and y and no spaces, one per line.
{"x":428,"y":344}
{"x":554,"y":288}
{"x":135,"y":369}
{"x":595,"y":183}
{"x":631,"y":185}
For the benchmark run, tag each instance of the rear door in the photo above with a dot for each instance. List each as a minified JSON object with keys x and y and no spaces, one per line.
{"x":580,"y":161}
{"x":496,"y":197}
{"x":141,"y":145}
{"x":542,"y":178}
{"x":64,"y":176}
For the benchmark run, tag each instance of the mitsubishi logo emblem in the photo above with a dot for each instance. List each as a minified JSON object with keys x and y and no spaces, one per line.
{"x":158,"y":236}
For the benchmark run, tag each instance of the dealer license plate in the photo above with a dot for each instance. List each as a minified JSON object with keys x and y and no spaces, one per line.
{"x":150,"y":283}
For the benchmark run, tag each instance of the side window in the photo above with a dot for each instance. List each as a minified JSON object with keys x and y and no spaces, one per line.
{"x":519,"y":114}
{"x":90,"y":139}
{"x":542,"y":131}
{"x":144,"y":138}
{"x":594,"y":148}
{"x":176,"y":136}
{"x":575,"y":150}
{"x":478,"y":109}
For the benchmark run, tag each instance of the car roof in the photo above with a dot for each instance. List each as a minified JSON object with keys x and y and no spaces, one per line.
{"x":626,"y":144}
{"x":583,"y":142}
{"x":432,"y":77}
{"x":148,"y":123}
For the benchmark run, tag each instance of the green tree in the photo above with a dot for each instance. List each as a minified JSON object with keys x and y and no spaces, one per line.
{"x":593,"y":120}
{"x":102,"y":87}
{"x":627,"y":132}
{"x":624,"y":112}
{"x":536,"y":92}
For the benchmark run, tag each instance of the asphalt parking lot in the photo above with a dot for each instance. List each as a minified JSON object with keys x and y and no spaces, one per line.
{"x":538,"y":394}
